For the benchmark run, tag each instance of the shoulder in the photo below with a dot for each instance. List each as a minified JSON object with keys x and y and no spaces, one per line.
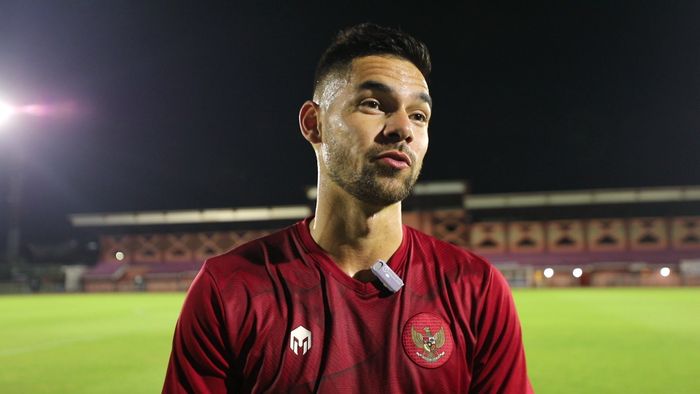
{"x":251,"y":257}
{"x":459,"y":264}
{"x":449,"y":255}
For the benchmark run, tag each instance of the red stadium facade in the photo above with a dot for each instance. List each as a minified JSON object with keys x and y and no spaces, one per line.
{"x":613,"y":237}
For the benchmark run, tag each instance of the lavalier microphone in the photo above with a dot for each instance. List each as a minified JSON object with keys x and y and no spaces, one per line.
{"x":387,"y":276}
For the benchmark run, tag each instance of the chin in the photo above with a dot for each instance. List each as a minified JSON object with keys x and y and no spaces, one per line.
{"x":388,"y":192}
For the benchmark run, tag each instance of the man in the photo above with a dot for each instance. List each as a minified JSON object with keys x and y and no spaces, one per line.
{"x":301,"y":310}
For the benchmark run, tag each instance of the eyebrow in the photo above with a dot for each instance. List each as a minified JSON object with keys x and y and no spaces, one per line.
{"x":378,"y":86}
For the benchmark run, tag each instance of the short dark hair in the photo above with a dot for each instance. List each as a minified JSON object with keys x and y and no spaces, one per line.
{"x":369,"y":39}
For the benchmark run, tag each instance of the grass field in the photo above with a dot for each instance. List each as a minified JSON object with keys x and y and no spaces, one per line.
{"x":577,"y":341}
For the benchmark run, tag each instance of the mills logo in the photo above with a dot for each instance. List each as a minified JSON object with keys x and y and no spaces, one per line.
{"x":300,"y":340}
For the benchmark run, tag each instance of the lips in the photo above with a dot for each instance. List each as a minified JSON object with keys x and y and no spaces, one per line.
{"x":396,"y":156}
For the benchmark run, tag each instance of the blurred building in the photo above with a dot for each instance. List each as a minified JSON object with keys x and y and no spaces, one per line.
{"x":615,"y":237}
{"x":622,"y":237}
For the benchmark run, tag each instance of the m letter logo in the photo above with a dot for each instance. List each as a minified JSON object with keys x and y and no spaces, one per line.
{"x":300,"y":340}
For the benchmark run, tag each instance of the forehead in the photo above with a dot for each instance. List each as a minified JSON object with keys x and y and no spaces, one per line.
{"x":392,"y":71}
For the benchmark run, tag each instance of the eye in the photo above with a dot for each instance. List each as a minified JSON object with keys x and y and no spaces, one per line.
{"x":420,"y":117}
{"x":370,"y":103}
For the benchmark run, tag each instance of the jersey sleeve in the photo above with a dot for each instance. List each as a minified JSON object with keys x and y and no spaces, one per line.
{"x":500,"y":358}
{"x":199,"y":359}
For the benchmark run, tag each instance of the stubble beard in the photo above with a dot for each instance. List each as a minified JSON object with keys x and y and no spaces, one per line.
{"x":374,"y":184}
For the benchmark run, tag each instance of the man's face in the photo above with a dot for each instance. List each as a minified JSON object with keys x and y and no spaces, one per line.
{"x":374,"y":128}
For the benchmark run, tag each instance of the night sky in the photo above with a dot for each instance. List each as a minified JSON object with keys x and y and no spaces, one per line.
{"x":195,"y":106}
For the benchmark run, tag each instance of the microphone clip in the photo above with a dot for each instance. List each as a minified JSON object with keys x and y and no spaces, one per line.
{"x":387,"y":276}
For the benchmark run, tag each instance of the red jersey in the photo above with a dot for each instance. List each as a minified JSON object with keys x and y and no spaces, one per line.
{"x":278,"y":315}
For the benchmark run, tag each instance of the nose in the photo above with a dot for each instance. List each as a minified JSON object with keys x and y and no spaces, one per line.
{"x":399,"y":127}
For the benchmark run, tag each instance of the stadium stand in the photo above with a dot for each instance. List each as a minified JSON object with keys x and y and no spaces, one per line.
{"x":619,"y":237}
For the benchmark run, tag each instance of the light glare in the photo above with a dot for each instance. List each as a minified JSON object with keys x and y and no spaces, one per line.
{"x":548,"y":273}
{"x":665,"y":272}
{"x":36,"y":110}
{"x":577,"y":272}
{"x":6,"y":111}
{"x":119,"y":256}
{"x":65,"y":109}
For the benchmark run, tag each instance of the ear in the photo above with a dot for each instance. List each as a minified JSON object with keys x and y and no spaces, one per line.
{"x":309,"y":124}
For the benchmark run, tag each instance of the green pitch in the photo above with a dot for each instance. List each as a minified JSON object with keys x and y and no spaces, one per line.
{"x":577,"y":341}
{"x":632,"y":340}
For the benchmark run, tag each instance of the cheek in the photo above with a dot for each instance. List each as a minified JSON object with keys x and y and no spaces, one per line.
{"x":325,"y":154}
{"x":365,"y":128}
{"x":338,"y":148}
{"x":421,"y":145}
{"x":348,"y":134}
{"x":336,"y":124}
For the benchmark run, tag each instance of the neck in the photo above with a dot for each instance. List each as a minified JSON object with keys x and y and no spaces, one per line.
{"x":353,"y":233}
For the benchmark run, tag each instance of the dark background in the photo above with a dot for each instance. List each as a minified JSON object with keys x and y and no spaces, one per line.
{"x":184,"y":106}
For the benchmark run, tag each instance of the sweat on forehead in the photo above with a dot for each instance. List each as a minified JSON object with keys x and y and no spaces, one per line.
{"x":361,"y":70}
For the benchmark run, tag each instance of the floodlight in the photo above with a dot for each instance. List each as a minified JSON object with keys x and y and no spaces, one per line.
{"x":6,"y":111}
{"x":548,"y":272}
{"x":665,"y":272}
{"x":577,"y":272}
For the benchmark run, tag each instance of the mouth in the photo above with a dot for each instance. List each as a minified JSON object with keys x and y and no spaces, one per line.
{"x":395,"y":159}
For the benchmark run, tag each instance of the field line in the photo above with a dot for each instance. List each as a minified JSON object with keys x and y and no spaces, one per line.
{"x":50,"y":345}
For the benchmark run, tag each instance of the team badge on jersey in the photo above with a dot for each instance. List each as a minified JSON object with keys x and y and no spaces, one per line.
{"x":300,"y":340}
{"x":427,"y":340}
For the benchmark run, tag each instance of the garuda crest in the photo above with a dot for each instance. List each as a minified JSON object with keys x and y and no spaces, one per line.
{"x":430,"y":344}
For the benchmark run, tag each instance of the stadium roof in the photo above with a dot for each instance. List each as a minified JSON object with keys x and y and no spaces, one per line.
{"x":222,"y":215}
{"x":583,"y":197}
{"x":470,"y":202}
